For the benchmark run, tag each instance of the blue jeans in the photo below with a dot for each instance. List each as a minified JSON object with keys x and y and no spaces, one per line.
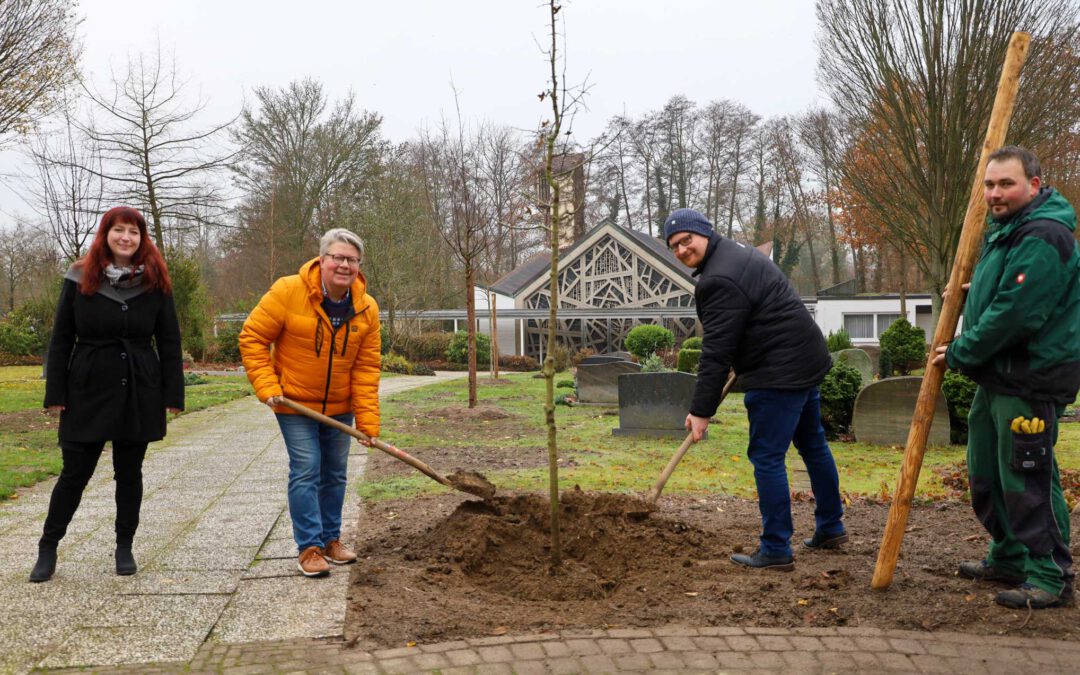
{"x":318,"y":463}
{"x":779,"y":417}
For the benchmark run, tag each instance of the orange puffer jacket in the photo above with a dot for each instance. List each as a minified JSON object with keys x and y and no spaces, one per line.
{"x":330,"y":372}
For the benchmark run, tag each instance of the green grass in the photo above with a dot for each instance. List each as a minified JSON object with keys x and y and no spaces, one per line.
{"x":28,"y":453}
{"x":591,"y":457}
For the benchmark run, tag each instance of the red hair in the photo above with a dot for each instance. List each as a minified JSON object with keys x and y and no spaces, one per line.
{"x":93,"y":264}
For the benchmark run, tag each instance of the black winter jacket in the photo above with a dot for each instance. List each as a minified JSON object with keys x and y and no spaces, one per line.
{"x":114,"y":363}
{"x":754,"y":322}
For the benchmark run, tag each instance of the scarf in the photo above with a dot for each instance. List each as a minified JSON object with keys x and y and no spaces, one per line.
{"x":124,"y":277}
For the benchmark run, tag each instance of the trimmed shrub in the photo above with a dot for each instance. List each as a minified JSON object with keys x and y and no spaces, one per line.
{"x":904,"y":345}
{"x":838,"y":393}
{"x":422,"y":369}
{"x":689,"y":360}
{"x":692,"y":343}
{"x":395,"y":363}
{"x":27,"y":329}
{"x":458,"y":349}
{"x":565,"y":384}
{"x":424,"y":346}
{"x":838,"y":340}
{"x":192,"y":305}
{"x":648,"y":339}
{"x":192,"y":379}
{"x":518,"y":363}
{"x":959,"y":390}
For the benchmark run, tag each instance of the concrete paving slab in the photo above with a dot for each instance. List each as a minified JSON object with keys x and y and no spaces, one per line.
{"x":181,"y":582}
{"x":284,"y":608}
{"x":272,"y":568}
{"x":207,"y":558}
{"x":175,"y":613}
{"x":125,"y":644}
{"x":278,"y":548}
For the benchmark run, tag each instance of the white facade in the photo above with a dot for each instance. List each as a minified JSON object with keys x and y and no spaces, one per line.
{"x":507,"y":329}
{"x":866,"y":317}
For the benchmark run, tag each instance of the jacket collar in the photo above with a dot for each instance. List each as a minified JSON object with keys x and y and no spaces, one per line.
{"x":311,"y":274}
{"x":1000,"y":228}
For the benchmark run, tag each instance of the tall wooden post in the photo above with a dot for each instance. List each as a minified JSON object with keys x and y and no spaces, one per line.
{"x":494,"y":337}
{"x":966,"y":256}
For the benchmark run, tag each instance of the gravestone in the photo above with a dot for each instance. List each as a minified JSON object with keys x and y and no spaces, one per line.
{"x":625,"y":356}
{"x":654,"y":404}
{"x":599,"y":383}
{"x":600,"y":358}
{"x":884,"y":409}
{"x":857,"y":359}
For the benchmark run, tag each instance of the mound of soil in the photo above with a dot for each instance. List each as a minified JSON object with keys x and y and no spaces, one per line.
{"x":448,"y":567}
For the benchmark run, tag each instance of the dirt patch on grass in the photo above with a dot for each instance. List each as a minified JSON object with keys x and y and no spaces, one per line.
{"x":480,"y":413}
{"x":450,"y":458}
{"x":447,"y":567}
{"x":26,"y":420}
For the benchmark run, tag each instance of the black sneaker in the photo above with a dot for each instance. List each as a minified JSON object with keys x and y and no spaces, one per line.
{"x":820,"y":540}
{"x":1027,"y":595}
{"x":759,"y":560}
{"x":980,"y":571}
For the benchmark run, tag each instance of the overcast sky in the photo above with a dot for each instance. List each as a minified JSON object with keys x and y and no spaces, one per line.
{"x":399,"y":57}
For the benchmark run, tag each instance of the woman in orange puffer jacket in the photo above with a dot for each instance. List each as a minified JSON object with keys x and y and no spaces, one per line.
{"x":314,"y":338}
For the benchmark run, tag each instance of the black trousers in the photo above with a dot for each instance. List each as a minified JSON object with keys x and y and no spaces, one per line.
{"x":80,"y":460}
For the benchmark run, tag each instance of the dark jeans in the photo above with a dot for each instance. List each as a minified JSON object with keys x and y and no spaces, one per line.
{"x":80,"y":460}
{"x":779,"y":417}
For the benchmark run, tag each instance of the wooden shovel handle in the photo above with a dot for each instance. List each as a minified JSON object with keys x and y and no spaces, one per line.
{"x":654,"y":493}
{"x":356,"y":433}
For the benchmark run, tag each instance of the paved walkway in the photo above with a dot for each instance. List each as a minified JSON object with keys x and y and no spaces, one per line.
{"x":217,"y":591}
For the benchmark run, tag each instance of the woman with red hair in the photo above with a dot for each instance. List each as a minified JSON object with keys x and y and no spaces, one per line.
{"x":114,"y":369}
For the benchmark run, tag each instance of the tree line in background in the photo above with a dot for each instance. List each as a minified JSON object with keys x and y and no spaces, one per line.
{"x":872,"y":188}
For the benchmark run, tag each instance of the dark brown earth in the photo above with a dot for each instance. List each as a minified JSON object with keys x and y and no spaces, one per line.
{"x":447,"y":567}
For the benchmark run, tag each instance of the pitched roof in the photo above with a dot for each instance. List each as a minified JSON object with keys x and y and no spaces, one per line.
{"x":514,"y":281}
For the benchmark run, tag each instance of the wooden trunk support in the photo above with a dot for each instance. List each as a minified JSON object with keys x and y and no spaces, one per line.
{"x":967,"y":253}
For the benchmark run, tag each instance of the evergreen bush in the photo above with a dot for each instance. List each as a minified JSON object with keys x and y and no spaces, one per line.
{"x":904,"y":345}
{"x":838,"y":393}
{"x":838,"y":340}
{"x":959,"y":390}
{"x":692,"y":343}
{"x":648,"y":339}
{"x":689,"y":359}
{"x":458,"y":349}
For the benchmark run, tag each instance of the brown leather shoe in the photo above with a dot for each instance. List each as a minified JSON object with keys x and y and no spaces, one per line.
{"x":311,"y":562}
{"x":335,"y":552}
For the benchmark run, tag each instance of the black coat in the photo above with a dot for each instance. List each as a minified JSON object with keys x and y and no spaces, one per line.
{"x":103,"y":365}
{"x":754,"y":322}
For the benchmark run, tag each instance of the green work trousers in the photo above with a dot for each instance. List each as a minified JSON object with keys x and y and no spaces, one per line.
{"x":1016,"y":490}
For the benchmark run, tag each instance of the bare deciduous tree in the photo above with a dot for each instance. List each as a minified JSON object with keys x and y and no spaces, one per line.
{"x":38,"y":59}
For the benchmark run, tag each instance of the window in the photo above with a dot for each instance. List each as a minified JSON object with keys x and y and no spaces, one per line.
{"x":859,"y":325}
{"x":884,"y":321}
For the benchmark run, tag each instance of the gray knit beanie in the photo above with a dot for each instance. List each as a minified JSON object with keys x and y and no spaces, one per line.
{"x":687,"y":220}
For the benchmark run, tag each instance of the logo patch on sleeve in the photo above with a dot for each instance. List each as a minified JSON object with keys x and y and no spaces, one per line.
{"x":1020,"y":278}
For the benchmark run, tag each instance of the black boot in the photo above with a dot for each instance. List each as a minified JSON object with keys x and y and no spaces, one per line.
{"x":45,"y":565}
{"x":125,"y":561}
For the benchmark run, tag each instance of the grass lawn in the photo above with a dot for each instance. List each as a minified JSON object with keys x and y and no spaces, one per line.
{"x":591,"y":457}
{"x":28,"y":451}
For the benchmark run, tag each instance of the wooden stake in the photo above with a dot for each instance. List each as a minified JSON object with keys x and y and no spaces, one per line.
{"x":967,"y":252}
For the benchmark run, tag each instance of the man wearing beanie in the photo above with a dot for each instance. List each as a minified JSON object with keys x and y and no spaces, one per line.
{"x":756,"y":324}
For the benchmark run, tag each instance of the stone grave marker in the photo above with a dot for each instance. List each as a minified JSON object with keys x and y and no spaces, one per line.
{"x":599,"y":383}
{"x":597,"y":359}
{"x":654,"y":404}
{"x":857,"y":359}
{"x":884,"y":409}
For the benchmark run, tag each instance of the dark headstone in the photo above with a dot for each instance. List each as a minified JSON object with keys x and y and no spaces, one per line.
{"x":600,"y":358}
{"x":857,"y":359}
{"x":654,"y":404}
{"x":884,"y":409}
{"x":599,"y":383}
{"x":625,"y":356}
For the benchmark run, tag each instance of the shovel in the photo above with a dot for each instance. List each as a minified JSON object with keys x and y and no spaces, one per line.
{"x":654,"y":493}
{"x":466,"y":481}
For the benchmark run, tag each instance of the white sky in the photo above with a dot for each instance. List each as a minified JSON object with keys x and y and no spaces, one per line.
{"x":399,"y":56}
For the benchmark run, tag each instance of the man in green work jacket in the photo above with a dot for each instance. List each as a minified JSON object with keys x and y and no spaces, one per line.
{"x":1021,"y":344}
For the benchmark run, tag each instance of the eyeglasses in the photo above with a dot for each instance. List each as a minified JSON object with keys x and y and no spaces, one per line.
{"x":682,"y":243}
{"x":343,"y":259}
